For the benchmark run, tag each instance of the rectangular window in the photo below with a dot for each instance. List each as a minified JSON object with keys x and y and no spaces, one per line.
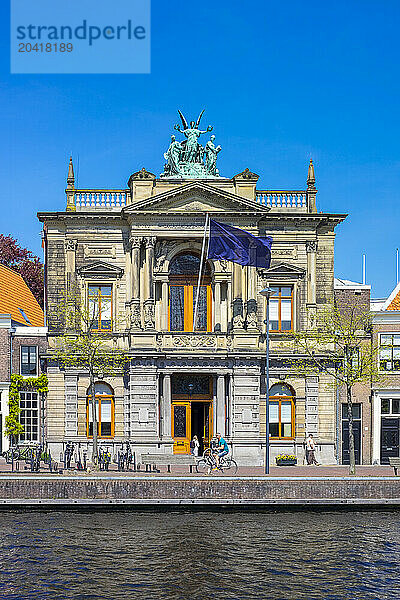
{"x":104,"y":415}
{"x":182,"y":302}
{"x":29,"y":416}
{"x":281,"y":308}
{"x":281,"y":419}
{"x":100,"y":307}
{"x":390,"y":406}
{"x":29,"y":360}
{"x":389,"y":352}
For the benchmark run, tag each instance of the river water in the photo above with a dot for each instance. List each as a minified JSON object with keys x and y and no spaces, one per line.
{"x":200,"y":555}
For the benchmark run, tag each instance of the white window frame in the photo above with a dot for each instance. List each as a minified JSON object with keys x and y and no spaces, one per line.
{"x":37,"y":360}
{"x":381,"y":333}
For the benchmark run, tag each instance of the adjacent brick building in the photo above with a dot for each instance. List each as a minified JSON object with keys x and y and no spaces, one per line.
{"x":22,"y":342}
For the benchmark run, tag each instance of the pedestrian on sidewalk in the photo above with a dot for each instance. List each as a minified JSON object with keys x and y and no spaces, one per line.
{"x":310,"y":451}
{"x":194,"y":446}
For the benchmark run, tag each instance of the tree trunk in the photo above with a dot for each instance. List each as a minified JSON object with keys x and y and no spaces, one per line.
{"x":352,"y":468}
{"x":94,"y":417}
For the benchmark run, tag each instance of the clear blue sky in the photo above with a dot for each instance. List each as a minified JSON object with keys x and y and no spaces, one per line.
{"x":281,"y":82}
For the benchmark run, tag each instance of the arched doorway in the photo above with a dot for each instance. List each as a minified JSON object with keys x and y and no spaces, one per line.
{"x":183,"y":276}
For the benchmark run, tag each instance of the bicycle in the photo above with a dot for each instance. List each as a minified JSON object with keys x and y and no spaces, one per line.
{"x":208,"y":463}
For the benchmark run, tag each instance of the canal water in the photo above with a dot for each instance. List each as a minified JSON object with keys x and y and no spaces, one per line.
{"x":200,"y":555}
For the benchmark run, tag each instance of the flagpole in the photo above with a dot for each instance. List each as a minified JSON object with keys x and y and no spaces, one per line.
{"x":200,"y":272}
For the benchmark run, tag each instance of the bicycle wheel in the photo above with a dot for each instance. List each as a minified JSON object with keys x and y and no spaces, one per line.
{"x":231,"y":467}
{"x":203,"y":467}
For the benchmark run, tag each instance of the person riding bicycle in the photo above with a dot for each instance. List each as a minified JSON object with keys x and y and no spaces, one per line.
{"x":221,"y":450}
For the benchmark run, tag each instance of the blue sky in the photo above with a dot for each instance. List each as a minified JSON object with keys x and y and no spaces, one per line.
{"x":280,"y":82}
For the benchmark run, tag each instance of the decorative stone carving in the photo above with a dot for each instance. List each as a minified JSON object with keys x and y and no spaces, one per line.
{"x":135,"y":241}
{"x":143,"y":174}
{"x":150,"y":242}
{"x":148,"y":311}
{"x":161,"y":251}
{"x":195,"y":341}
{"x":136,"y":322}
{"x":312,"y":246}
{"x":224,"y":264}
{"x":71,"y":245}
{"x":238,"y":321}
{"x":246,"y":174}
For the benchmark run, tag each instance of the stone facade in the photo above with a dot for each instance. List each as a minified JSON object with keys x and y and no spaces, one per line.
{"x":128,"y":239}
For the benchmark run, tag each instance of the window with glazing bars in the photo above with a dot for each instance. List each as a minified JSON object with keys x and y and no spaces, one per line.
{"x":29,"y":416}
{"x":100,"y":307}
{"x":281,"y":308}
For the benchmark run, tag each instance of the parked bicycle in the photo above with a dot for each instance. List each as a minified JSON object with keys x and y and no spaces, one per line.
{"x":124,"y":457}
{"x":208,"y":463}
{"x":31,"y":455}
{"x":104,"y":459}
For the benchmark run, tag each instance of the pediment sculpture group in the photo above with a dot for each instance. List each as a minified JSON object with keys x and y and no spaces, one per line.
{"x":189,"y":158}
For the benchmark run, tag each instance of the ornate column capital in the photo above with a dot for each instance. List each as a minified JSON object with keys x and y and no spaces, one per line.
{"x":312,"y":246}
{"x":71,"y":245}
{"x":150,"y":242}
{"x":135,"y":241}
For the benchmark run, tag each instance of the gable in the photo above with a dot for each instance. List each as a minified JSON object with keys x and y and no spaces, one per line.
{"x":282,"y":270}
{"x":196,"y":197}
{"x":101,"y":270}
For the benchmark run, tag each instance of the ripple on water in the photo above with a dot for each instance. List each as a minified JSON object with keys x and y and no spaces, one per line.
{"x":193,"y":556}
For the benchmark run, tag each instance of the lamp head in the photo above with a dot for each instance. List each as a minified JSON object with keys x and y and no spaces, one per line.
{"x":267,"y":292}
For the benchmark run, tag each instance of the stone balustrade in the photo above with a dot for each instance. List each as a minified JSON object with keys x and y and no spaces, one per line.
{"x":100,"y":199}
{"x":292,"y":200}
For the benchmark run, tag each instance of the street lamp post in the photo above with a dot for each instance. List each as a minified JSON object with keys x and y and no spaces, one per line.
{"x":267,"y":293}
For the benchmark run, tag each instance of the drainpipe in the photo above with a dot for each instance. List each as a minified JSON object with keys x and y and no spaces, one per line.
{"x":337,"y":423}
{"x":12,"y":330}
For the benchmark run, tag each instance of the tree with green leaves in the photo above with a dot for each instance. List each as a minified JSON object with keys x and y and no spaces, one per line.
{"x":339,"y":344}
{"x":82,"y":345}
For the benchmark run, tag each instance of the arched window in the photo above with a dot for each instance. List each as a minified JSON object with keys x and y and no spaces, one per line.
{"x":183,"y":275}
{"x":281,"y":411}
{"x":104,"y":395}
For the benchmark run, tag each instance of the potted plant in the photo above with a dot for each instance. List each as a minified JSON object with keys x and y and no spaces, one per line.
{"x":287,"y":460}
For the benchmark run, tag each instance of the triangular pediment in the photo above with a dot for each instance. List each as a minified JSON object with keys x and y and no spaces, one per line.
{"x":101,"y":270}
{"x":196,"y":197}
{"x":281,"y":269}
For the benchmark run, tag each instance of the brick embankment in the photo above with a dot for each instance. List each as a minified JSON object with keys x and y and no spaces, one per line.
{"x":140,"y":491}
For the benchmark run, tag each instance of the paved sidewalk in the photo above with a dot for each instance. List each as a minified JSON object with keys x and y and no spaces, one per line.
{"x":297,"y":471}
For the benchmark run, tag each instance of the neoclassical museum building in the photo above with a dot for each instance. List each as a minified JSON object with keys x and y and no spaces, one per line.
{"x":134,"y":253}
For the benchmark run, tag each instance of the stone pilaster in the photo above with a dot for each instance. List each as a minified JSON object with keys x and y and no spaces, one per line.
{"x":148,"y":305}
{"x":238,"y":320}
{"x":135,"y":243}
{"x":311,"y":247}
{"x":251,"y":302}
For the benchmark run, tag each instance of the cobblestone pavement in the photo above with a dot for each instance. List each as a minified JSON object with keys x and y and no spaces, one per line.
{"x":297,"y":471}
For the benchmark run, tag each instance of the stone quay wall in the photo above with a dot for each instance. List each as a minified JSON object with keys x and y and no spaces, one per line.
{"x":69,"y":491}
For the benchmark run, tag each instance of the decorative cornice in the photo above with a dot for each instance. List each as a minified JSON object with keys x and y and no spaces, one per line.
{"x":204,"y":190}
{"x":100,"y":269}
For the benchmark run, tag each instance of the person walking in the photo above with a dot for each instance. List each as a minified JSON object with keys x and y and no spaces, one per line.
{"x":310,"y":451}
{"x":194,"y":446}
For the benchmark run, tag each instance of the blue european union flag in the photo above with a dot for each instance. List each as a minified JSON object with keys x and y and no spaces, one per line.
{"x":236,"y":245}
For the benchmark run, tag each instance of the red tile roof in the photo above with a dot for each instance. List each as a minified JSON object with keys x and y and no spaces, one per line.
{"x":395,"y":303}
{"x":15,"y":295}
